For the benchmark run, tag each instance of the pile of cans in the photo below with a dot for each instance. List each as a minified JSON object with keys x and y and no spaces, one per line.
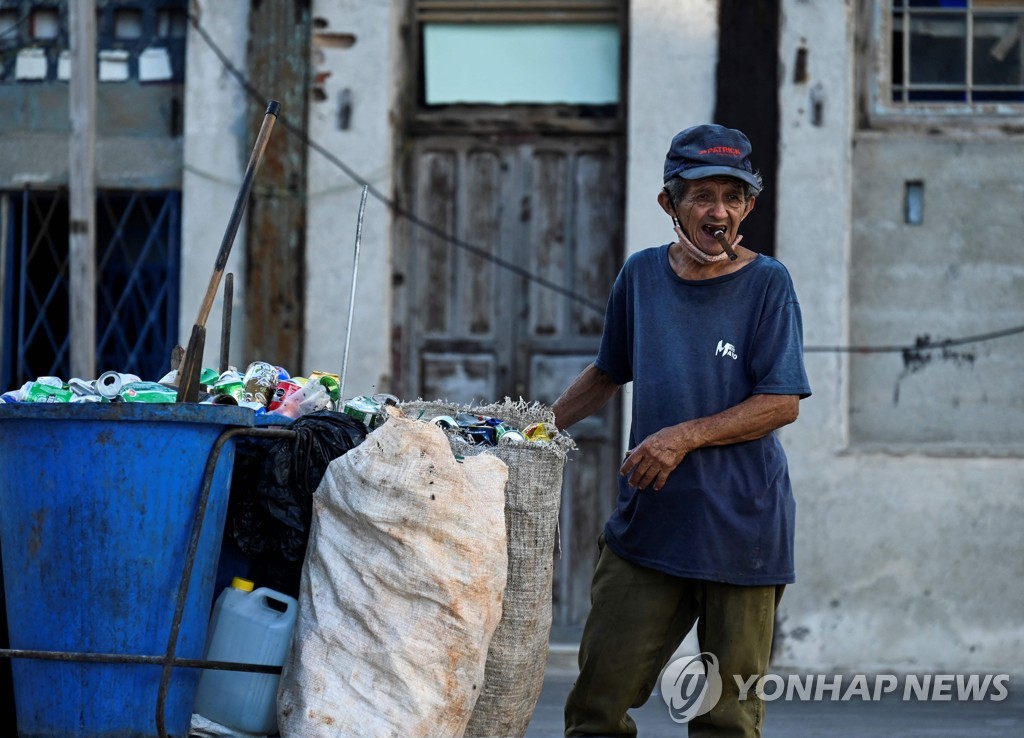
{"x":269,"y":389}
{"x":108,"y":387}
{"x":487,"y":431}
{"x":263,"y":387}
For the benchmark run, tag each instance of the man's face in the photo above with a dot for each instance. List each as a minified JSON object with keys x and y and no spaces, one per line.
{"x":713,"y":204}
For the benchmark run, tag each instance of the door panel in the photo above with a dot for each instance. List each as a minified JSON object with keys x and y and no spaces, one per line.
{"x":468,"y":329}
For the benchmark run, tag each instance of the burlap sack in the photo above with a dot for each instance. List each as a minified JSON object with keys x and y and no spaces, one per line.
{"x":401,"y":590}
{"x":519,"y":649}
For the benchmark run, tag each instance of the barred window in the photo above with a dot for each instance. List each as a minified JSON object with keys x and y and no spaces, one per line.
{"x":957,"y":51}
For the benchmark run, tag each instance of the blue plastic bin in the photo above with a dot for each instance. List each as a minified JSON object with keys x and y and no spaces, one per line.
{"x":96,"y":510}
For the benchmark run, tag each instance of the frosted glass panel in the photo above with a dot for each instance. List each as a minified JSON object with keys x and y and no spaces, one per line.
{"x":521,"y":63}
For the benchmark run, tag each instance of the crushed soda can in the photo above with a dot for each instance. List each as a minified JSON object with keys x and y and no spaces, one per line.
{"x":445,"y":422}
{"x":254,"y":405}
{"x":539,"y":432}
{"x":109,"y":384}
{"x":260,"y":381}
{"x":284,"y":388}
{"x":38,"y":392}
{"x":384,"y":398}
{"x":482,"y":435}
{"x":365,"y":410}
{"x":153,"y":392}
{"x":11,"y":396}
{"x":508,"y":434}
{"x":229,"y":383}
{"x":82,"y":387}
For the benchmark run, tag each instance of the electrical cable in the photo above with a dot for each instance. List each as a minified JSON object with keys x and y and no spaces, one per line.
{"x":399,"y":211}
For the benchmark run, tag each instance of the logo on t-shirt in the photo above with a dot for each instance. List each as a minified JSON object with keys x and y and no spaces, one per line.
{"x":726,"y":349}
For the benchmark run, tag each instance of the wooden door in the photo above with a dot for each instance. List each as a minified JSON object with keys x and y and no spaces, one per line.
{"x":471,"y":325}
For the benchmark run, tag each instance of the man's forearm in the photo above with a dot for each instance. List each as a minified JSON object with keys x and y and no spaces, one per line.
{"x":657,"y":456}
{"x":584,"y":396}
{"x":755,"y":417}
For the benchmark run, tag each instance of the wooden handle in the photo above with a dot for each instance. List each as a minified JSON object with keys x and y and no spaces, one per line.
{"x":273,"y":108}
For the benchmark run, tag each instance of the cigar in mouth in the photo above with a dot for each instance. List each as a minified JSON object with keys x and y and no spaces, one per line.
{"x":724,"y":242}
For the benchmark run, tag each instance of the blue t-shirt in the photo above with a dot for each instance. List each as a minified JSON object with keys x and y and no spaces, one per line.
{"x":693,"y":349}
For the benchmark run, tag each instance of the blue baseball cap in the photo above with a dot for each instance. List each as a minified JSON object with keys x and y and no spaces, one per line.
{"x":711,"y":150}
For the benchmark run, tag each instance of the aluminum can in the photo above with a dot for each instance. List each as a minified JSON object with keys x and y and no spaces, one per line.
{"x":538,"y":432}
{"x":46,"y":393}
{"x":383,"y":398}
{"x":109,"y":384}
{"x":363,"y":409}
{"x":281,"y":392}
{"x":229,"y":383}
{"x":331,"y":381}
{"x":507,"y":434}
{"x":233,"y":388}
{"x":260,"y":381}
{"x":445,"y":422}
{"x":82,"y":387}
{"x":147,"y":392}
{"x":468,"y":419}
{"x":482,"y":435}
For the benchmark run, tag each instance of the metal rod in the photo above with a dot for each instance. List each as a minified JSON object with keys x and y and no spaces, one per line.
{"x":121,"y":658}
{"x":190,"y":556}
{"x":352,"y":296}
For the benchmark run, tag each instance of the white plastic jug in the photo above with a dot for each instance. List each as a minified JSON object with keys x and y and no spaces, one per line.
{"x":245,"y":628}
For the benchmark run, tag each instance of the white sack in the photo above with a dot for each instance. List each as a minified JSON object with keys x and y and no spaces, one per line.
{"x":401,"y":590}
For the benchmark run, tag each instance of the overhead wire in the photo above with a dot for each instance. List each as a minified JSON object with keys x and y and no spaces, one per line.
{"x":923,"y":343}
{"x":397,"y":209}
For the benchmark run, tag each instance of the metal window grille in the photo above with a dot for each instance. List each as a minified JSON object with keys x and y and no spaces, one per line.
{"x":957,"y":51}
{"x":138,"y":249}
{"x":34,"y":38}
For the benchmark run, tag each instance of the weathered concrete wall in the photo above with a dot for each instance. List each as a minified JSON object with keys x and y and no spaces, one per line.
{"x":354,"y":51}
{"x":909,"y":560}
{"x":959,"y":273}
{"x":216,"y":151}
{"x":136,"y":145}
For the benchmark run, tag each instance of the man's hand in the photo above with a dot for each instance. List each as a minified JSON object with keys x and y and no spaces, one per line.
{"x":650,"y":463}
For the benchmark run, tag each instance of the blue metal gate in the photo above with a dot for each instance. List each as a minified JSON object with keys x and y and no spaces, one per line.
{"x":138,"y":238}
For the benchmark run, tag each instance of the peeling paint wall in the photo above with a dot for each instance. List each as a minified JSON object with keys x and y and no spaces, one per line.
{"x":354,"y":68}
{"x":216,"y":150}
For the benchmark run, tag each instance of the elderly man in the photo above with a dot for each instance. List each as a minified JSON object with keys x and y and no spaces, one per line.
{"x":710,"y":334}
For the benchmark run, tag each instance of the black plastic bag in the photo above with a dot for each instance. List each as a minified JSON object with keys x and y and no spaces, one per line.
{"x":272,"y":491}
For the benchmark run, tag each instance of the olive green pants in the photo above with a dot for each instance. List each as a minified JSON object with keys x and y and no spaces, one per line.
{"x":637,"y":620}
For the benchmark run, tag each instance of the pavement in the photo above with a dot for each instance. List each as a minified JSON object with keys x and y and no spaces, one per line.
{"x":855,"y":718}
